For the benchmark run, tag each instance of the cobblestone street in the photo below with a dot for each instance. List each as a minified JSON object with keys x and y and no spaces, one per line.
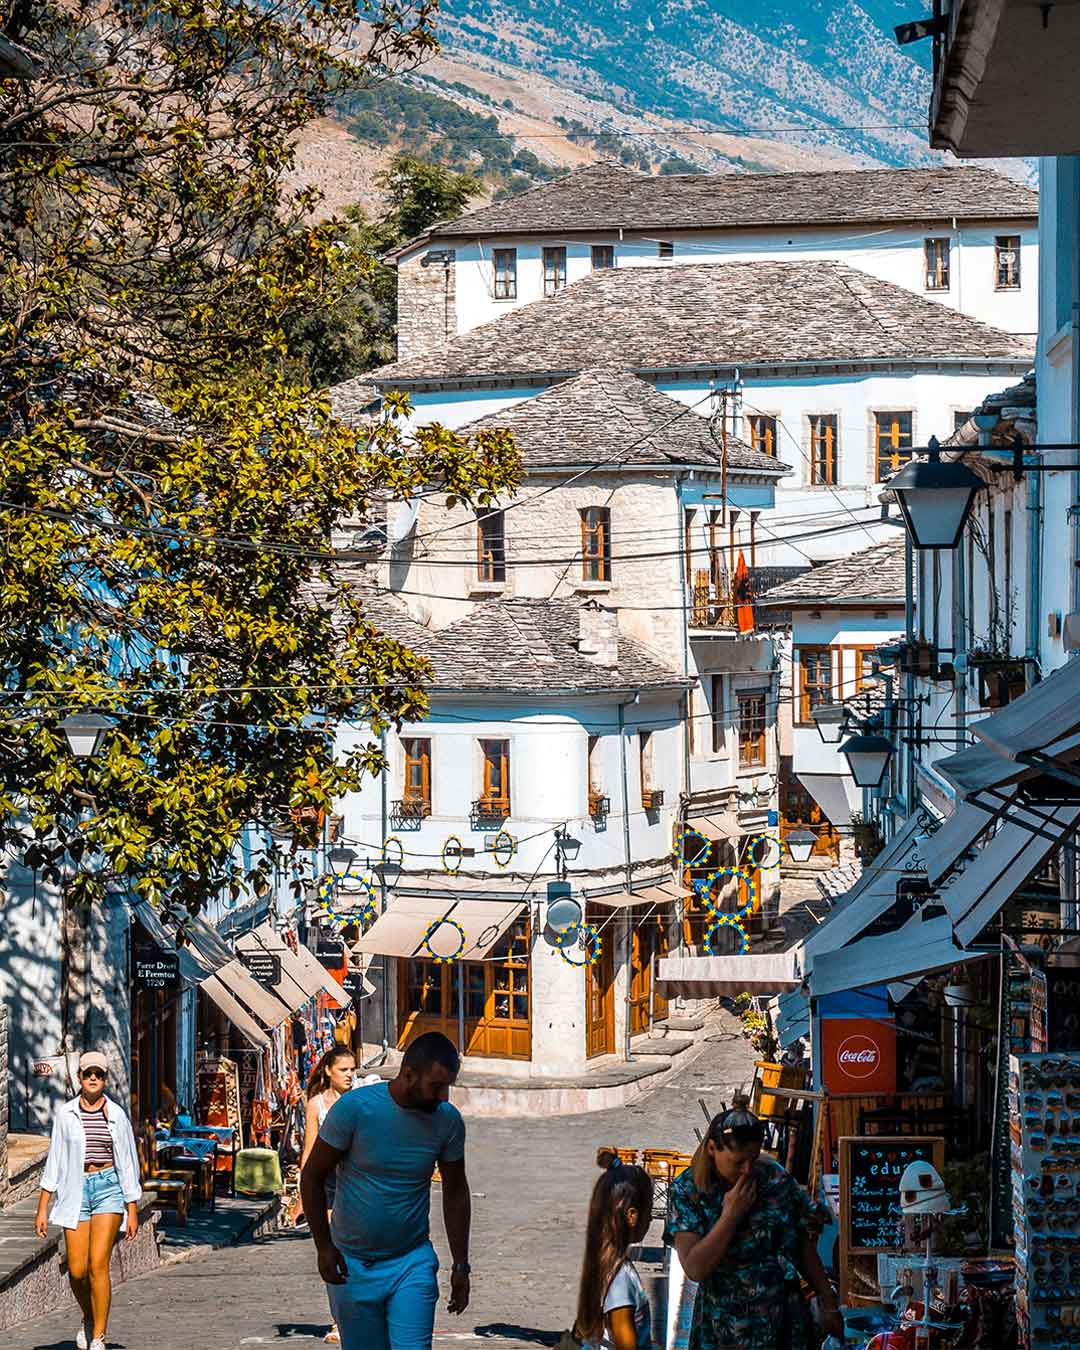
{"x":531,"y":1181}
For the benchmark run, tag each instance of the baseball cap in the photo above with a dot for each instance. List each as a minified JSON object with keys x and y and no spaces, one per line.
{"x":93,"y":1059}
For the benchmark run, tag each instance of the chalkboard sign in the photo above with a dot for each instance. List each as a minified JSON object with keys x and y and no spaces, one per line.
{"x":156,"y":970}
{"x":353,"y":984}
{"x":330,"y":954}
{"x":263,"y":967}
{"x":870,"y":1170}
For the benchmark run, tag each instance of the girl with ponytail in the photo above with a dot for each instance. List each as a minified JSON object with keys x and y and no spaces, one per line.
{"x":613,"y":1308}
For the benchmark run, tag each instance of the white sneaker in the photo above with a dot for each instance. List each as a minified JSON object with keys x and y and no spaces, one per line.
{"x":97,"y":1344}
{"x":80,"y":1337}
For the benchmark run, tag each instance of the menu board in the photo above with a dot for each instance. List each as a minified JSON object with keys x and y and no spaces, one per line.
{"x":870,"y":1170}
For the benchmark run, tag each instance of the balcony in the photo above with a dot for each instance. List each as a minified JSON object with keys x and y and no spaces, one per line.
{"x":409,"y":813}
{"x":489,"y":813}
{"x":713,"y":605}
{"x":652,"y":799}
{"x":599,"y":810}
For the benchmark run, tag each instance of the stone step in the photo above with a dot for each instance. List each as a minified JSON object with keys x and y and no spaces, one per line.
{"x":666,"y":1046}
{"x":680,"y":1024}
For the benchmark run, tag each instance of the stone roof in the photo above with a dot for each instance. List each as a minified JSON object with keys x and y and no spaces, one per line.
{"x":520,"y":645}
{"x":354,"y":401}
{"x":871,"y":577}
{"x":701,"y":316}
{"x":1016,"y":409}
{"x":609,"y":197}
{"x":610,"y":417}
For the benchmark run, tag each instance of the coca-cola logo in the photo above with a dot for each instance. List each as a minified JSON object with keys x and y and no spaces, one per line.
{"x":858,"y":1056}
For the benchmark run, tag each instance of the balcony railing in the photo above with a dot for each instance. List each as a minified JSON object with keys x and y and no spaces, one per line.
{"x":489,"y":813}
{"x":408,"y":813}
{"x":652,"y":799}
{"x":714,"y":604}
{"x":599,"y":805}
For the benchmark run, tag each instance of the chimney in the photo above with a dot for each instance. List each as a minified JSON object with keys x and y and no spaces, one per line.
{"x":598,"y":634}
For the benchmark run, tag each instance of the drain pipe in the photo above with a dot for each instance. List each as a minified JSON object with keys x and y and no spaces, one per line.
{"x":628,"y":871}
{"x":384,"y":818}
{"x":909,"y":678}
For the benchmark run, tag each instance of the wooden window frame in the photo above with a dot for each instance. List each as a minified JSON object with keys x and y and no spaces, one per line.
{"x":824,"y":449}
{"x":665,"y":248}
{"x":424,"y":760}
{"x":504,"y":269}
{"x":594,"y":788}
{"x":492,"y":752}
{"x":608,"y":251}
{"x":717,"y":720}
{"x":803,"y":704}
{"x":554,"y":270}
{"x":936,"y":265}
{"x":858,"y":682}
{"x":645,"y":766}
{"x":753,"y":751}
{"x":595,"y":543}
{"x":1003,"y":243}
{"x":892,"y":436}
{"x":764,"y":432}
{"x":491,"y":546}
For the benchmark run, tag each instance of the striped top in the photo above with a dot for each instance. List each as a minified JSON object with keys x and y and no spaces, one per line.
{"x":99,"y":1144}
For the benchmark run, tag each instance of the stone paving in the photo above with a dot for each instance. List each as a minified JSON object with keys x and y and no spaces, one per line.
{"x":531,"y":1180}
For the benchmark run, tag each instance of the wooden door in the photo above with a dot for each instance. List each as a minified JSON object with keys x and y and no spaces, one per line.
{"x":600,"y":998}
{"x":799,"y":811}
{"x":648,"y":943}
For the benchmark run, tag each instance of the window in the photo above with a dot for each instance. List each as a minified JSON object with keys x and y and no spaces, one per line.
{"x":717,"y":711}
{"x":751,"y":730}
{"x":596,"y":543}
{"x":815,"y":680}
{"x":505,"y":260}
{"x":959,"y":417}
{"x":892,"y":440}
{"x":763,"y":433}
{"x":1007,"y":262}
{"x":665,"y":248}
{"x":864,"y":666}
{"x":937,"y":264}
{"x":491,"y":546}
{"x":823,"y":449}
{"x":496,"y":775}
{"x":597,"y":800}
{"x":651,"y":797}
{"x":603,"y":256}
{"x":418,"y":771}
{"x":554,"y":270}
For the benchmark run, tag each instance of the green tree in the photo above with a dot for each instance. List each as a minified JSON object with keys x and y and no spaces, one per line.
{"x":421,"y":194}
{"x":167,"y":517}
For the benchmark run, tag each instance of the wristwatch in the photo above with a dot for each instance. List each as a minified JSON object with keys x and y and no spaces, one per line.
{"x":460,"y":1268}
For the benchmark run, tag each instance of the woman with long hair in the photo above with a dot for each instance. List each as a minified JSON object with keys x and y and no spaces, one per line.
{"x":613,"y":1308}
{"x":92,"y":1177}
{"x":330,"y":1079}
{"x":744,"y":1230}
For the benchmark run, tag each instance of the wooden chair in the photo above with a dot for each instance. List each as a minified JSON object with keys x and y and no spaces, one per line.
{"x":171,"y":1190}
{"x":663,"y":1165}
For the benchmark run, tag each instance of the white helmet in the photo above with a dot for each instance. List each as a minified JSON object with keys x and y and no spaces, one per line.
{"x":922,"y":1190}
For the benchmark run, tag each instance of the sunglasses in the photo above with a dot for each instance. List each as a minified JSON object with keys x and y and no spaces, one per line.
{"x":93,"y":1073}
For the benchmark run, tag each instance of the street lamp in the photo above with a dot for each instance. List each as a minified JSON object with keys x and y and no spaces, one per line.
{"x":85,"y":732}
{"x":800,"y":844}
{"x":830,"y":720}
{"x":935,"y":498}
{"x":868,"y":757}
{"x":340,"y":859}
{"x":566,"y":849}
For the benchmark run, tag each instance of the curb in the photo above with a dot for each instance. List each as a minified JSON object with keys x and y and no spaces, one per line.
{"x":267,"y":1220}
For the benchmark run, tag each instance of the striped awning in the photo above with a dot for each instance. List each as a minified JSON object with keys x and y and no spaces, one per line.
{"x":728,"y":976}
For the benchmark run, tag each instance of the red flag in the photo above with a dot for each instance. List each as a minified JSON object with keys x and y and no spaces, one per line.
{"x":744,"y":610}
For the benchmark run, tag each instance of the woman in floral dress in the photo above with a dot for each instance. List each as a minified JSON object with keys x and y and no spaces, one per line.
{"x":744,"y":1231}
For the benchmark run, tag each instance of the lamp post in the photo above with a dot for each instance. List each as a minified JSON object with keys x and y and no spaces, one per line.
{"x":935,"y":498}
{"x":800,"y":845}
{"x":85,"y":733}
{"x":340,"y":859}
{"x":566,"y":850}
{"x":868,"y":757}
{"x":831,"y":722}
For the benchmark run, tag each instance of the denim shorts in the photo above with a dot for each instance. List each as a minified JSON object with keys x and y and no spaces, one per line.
{"x":101,"y":1194}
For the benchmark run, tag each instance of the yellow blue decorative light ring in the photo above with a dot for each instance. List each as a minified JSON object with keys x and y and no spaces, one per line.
{"x":726,"y":921}
{"x":766,"y":839}
{"x":704,"y":886}
{"x":446,"y":849}
{"x":680,"y":845}
{"x":431,"y":930}
{"x":327,"y":890}
{"x":503,"y":848}
{"x":588,"y":934}
{"x":393,"y":839}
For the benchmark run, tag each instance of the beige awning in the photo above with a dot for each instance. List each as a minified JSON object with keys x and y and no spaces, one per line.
{"x":648,"y":895}
{"x":718,"y":825}
{"x":237,"y":1014}
{"x":727,"y":976}
{"x":399,"y":931}
{"x":302,"y":975}
{"x":266,"y":1005}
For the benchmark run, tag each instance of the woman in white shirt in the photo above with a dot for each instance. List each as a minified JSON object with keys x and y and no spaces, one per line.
{"x":92,"y":1177}
{"x":613,"y":1308}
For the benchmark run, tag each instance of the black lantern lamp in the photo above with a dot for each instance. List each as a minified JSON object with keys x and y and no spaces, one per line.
{"x":935,"y":498}
{"x":831,"y":722}
{"x":868,"y":757}
{"x":85,"y":733}
{"x":340,"y":859}
{"x":800,"y":845}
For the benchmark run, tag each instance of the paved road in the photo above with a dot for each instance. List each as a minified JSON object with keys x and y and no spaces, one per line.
{"x":531,"y":1181}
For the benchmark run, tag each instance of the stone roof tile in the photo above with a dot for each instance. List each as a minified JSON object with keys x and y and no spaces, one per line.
{"x":873,"y":576}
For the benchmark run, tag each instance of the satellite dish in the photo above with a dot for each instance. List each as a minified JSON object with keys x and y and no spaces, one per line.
{"x":563,"y":913}
{"x":404,"y":520}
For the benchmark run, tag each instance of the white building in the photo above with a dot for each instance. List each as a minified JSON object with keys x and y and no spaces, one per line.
{"x":962,"y":237}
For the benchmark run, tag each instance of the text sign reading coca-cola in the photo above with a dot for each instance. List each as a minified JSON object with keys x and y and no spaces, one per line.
{"x":858,"y":1055}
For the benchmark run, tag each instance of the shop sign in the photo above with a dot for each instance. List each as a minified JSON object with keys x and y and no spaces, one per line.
{"x":263,"y":967}
{"x":331,"y":955}
{"x":858,"y":1055}
{"x":353,"y":984}
{"x":43,"y":1068}
{"x":157,"y":970}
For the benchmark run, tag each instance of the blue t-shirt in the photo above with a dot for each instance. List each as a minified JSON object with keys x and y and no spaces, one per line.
{"x":382,"y":1205}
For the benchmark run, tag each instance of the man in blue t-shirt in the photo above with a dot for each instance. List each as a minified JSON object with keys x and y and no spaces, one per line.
{"x":378,"y":1260}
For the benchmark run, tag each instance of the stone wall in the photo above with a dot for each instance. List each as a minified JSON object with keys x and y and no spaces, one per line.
{"x":4,"y":1107}
{"x":427,"y":303}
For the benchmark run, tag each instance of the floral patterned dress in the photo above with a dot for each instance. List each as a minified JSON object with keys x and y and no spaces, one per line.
{"x":751,"y":1301}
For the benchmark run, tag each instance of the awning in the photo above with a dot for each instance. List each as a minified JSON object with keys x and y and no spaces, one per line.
{"x":871,"y":895}
{"x":718,"y":824}
{"x":238,"y":1015}
{"x":399,"y":931}
{"x":726,"y":976}
{"x":953,"y":838}
{"x":264,"y":1003}
{"x":791,"y":1017}
{"x":1044,"y":720}
{"x":919,"y":948}
{"x":648,"y":895}
{"x":302,"y":976}
{"x":975,"y":769}
{"x":829,"y":790}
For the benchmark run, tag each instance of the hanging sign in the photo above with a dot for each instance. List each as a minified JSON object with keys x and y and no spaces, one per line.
{"x":858,"y":1054}
{"x":156,"y":970}
{"x":331,"y":955}
{"x":263,"y":967}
